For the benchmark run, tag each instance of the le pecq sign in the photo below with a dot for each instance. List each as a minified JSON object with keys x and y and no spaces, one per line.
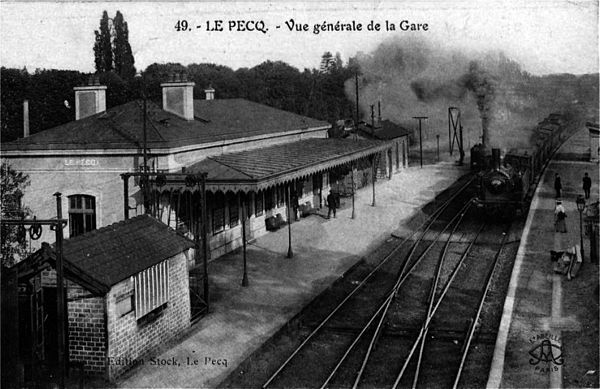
{"x":81,"y":162}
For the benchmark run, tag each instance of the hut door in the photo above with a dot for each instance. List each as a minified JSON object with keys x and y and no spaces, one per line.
{"x":37,"y":319}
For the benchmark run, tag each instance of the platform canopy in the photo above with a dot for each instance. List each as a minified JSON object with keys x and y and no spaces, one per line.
{"x":258,"y":169}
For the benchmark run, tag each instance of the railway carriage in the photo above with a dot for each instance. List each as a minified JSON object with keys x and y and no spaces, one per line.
{"x":505,"y":186}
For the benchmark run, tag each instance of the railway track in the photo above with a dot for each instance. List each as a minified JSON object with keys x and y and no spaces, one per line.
{"x":414,"y":304}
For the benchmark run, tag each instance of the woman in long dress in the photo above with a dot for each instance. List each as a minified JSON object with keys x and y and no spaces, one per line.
{"x":560,"y":218}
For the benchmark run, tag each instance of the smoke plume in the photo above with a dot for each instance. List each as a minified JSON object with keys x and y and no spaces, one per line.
{"x":499,"y":102}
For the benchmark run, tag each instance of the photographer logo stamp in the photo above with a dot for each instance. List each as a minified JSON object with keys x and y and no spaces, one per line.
{"x":545,"y":352}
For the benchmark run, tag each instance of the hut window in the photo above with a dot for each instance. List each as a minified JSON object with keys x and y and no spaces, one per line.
{"x":234,"y":210}
{"x":82,"y":214}
{"x":125,"y":304}
{"x":218,"y":213}
{"x":258,"y":200}
{"x":151,"y":289}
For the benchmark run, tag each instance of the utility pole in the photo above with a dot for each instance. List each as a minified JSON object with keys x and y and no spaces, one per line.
{"x":60,"y":292}
{"x":357,"y":114}
{"x":144,"y":179}
{"x":420,"y":118}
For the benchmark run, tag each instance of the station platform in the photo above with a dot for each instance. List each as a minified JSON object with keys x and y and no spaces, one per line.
{"x":548,"y":335}
{"x":242,"y":318}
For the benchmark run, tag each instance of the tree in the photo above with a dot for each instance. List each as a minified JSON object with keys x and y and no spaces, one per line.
{"x":13,"y":241}
{"x":122,"y":55}
{"x":103,"y":54}
{"x":14,"y":87}
{"x":327,"y":62}
{"x":112,"y":51}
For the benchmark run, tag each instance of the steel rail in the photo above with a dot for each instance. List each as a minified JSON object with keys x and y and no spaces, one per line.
{"x":402,"y":276}
{"x":435,"y":308}
{"x":488,"y":283}
{"x":432,"y":291}
{"x":375,"y":337}
{"x":426,"y":224}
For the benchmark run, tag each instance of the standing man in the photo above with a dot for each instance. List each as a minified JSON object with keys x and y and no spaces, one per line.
{"x":331,"y":204}
{"x":557,"y":185}
{"x":587,"y":185}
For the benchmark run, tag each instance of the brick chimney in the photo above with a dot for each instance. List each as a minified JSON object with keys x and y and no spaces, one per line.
{"x":210,"y":93}
{"x":178,"y":96}
{"x":90,"y":99}
{"x":25,"y":118}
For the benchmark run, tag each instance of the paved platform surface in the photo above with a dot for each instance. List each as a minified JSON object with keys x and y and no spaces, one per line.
{"x":549,"y":331}
{"x":241,"y":319}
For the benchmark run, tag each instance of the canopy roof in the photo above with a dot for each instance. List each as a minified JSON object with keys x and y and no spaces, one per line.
{"x":258,"y":169}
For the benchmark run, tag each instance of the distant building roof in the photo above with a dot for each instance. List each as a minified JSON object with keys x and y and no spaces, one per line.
{"x":101,"y":258}
{"x":384,"y":130}
{"x":121,"y":127}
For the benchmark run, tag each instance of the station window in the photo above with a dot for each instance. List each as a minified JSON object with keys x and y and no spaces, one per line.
{"x":218,"y":213}
{"x":258,"y":203}
{"x":82,"y":214}
{"x":280,"y":195}
{"x":270,"y":198}
{"x":234,"y":209}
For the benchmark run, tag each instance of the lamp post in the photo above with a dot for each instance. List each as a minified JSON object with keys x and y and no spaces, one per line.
{"x":580,"y":207}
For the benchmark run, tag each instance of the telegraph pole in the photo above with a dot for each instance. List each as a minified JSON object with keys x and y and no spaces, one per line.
{"x":357,"y":114}
{"x":419,"y":118}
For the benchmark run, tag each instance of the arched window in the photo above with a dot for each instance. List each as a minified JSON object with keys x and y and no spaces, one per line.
{"x":82,"y":214}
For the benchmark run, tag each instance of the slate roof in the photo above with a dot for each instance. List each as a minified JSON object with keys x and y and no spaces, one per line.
{"x":121,"y":127}
{"x":283,"y":162}
{"x":102,"y":258}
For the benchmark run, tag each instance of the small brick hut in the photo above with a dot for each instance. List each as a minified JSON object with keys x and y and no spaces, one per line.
{"x":127,"y":290}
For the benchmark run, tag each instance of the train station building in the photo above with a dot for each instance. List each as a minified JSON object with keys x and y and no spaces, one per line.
{"x":251,"y":153}
{"x":260,"y":168}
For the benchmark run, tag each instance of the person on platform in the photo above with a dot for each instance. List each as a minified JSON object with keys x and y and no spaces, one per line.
{"x":331,"y":204}
{"x":587,"y":185}
{"x":560,"y":216}
{"x":557,"y":185}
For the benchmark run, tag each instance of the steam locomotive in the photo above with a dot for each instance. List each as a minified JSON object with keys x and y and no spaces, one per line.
{"x":505,"y":186}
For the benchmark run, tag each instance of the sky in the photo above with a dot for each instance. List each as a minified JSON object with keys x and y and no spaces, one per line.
{"x":548,"y":36}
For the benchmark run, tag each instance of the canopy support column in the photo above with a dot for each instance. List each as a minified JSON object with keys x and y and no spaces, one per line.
{"x":290,"y":253}
{"x":374,"y":177}
{"x":353,"y":188}
{"x":205,"y":244}
{"x":245,"y":276}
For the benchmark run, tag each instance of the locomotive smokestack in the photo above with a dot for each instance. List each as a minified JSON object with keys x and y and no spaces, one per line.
{"x":484,"y":133}
{"x":496,"y":159}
